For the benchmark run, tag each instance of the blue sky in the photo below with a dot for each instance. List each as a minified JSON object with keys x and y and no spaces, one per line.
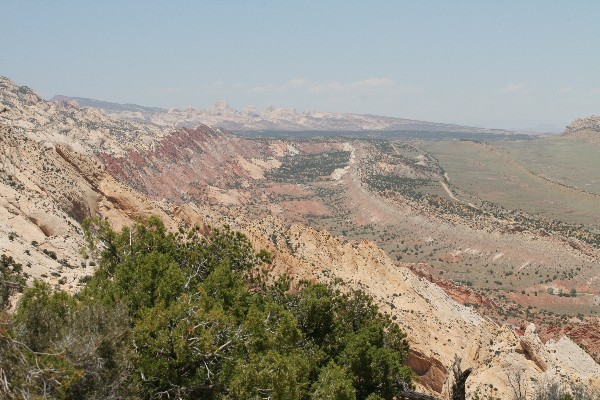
{"x":505,"y":64}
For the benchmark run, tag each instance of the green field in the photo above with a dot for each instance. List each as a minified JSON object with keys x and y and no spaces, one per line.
{"x":570,"y":162}
{"x":526,"y":176}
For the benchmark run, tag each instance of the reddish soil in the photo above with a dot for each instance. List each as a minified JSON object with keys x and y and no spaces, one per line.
{"x":305,"y":207}
{"x":166,"y":172}
{"x":586,"y":334}
{"x":460,"y":293}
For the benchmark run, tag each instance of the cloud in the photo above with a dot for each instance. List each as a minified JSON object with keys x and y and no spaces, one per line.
{"x":341,"y":87}
{"x":297,"y":82}
{"x":273,"y":87}
{"x":596,"y":91}
{"x":326,"y":86}
{"x":565,"y":90}
{"x":513,"y":88}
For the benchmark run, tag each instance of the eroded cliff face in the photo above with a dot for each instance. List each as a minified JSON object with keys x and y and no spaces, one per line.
{"x":50,"y":181}
{"x":46,"y":190}
{"x":192,"y":164}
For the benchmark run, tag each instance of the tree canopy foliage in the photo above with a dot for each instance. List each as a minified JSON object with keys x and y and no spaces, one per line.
{"x":189,"y":316}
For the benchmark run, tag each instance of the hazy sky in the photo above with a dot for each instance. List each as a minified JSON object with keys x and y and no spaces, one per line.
{"x":506,"y":64}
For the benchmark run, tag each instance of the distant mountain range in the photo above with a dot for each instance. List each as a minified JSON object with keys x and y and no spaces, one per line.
{"x":269,"y":119}
{"x":108,"y":106}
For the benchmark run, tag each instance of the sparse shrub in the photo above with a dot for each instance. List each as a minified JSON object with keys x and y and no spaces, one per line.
{"x":50,"y":253}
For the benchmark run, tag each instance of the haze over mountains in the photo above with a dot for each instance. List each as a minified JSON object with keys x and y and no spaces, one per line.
{"x":270,"y":119}
{"x":390,"y":209}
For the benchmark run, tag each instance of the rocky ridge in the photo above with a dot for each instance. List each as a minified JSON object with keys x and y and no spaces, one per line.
{"x":218,"y":159}
{"x":591,"y":123}
{"x":206,"y":165}
{"x":46,"y":190}
{"x":50,"y":181}
{"x":586,"y":129}
{"x":85,"y":129}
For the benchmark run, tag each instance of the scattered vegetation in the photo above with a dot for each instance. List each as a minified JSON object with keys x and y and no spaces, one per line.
{"x":310,"y":167}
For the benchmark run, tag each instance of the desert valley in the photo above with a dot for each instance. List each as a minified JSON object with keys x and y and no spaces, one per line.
{"x":479,"y":243}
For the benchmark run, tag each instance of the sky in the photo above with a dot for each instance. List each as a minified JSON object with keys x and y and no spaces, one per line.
{"x":498,"y":64}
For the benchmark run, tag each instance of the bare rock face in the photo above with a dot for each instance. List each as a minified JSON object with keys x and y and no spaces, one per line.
{"x":534,"y":348}
{"x":86,"y":130}
{"x":45,"y":193}
{"x":591,"y":123}
{"x":573,"y":358}
{"x":431,"y":372}
{"x":587,"y":335}
{"x":47,"y":187}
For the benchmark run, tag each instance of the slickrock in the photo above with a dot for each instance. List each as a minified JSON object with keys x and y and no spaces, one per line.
{"x":534,"y":348}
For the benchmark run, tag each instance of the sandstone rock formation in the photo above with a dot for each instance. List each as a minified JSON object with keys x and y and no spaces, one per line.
{"x":84,"y":129}
{"x":591,"y":123}
{"x":50,"y":181}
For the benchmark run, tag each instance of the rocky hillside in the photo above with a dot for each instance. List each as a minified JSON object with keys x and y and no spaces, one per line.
{"x":272,"y":118}
{"x":207,"y":165}
{"x":438,"y":327}
{"x":46,"y":190}
{"x":84,"y":129}
{"x":587,"y":129}
{"x":591,"y":123}
{"x":50,"y":181}
{"x":191,"y":164}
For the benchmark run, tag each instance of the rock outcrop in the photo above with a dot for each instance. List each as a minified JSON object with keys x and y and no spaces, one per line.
{"x":50,"y":181}
{"x":591,"y":123}
{"x":86,"y":130}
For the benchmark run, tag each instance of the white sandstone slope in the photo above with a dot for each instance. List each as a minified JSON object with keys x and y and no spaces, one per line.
{"x":50,"y":181}
{"x":84,"y":129}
